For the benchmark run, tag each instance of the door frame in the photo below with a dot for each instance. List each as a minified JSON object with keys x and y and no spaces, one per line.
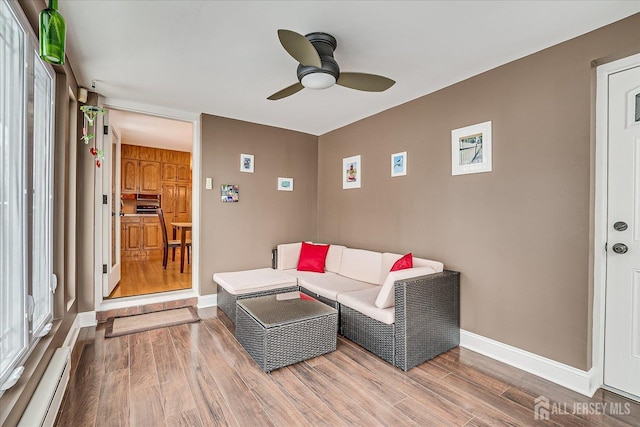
{"x":102,"y":304}
{"x":600,"y":215}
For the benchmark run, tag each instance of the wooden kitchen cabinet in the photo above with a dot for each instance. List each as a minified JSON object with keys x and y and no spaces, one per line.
{"x":131,"y":237}
{"x":151,"y":235}
{"x":176,"y":204}
{"x":141,"y":176}
{"x":156,"y":171}
{"x":141,"y":237}
{"x":169,"y":172}
{"x":150,"y":178}
{"x":183,"y":173}
{"x":130,"y":176}
{"x":176,"y":173}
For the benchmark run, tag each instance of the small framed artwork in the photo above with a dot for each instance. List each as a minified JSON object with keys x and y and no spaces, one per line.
{"x":351,"y":172}
{"x":399,"y":164}
{"x":285,"y":184}
{"x":471,"y":149}
{"x":229,"y":193}
{"x":246,"y":163}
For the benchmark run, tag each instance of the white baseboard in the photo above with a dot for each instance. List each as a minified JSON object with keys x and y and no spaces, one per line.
{"x":82,"y":320}
{"x":583,"y":382}
{"x":207,"y":300}
{"x":87,"y":318}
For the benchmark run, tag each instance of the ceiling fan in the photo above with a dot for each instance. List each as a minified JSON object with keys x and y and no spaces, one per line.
{"x":318,"y":69}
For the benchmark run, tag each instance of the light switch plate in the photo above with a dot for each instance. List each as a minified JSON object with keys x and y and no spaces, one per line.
{"x":208,"y":184}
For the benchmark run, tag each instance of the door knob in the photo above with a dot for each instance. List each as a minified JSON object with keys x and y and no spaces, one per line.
{"x":620,"y":226}
{"x":620,"y":248}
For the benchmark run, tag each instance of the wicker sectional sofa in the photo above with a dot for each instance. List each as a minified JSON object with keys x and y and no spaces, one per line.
{"x":405,"y":317}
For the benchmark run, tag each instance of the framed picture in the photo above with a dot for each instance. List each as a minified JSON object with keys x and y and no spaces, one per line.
{"x":229,"y":193}
{"x":246,"y":163}
{"x":471,"y":149}
{"x":285,"y":184}
{"x":399,"y":164}
{"x":351,"y":172}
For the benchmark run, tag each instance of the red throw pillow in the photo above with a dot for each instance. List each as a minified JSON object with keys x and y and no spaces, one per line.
{"x":403,"y":263}
{"x":312,"y":257}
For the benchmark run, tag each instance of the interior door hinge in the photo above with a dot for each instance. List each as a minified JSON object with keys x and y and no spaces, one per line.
{"x":104,"y":199}
{"x":105,"y":129}
{"x":104,"y":268}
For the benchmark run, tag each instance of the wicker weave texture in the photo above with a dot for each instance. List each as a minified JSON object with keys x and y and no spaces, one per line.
{"x":427,"y":321}
{"x":227,"y":302}
{"x":427,"y":317}
{"x":275,"y":347}
{"x":375,"y":336}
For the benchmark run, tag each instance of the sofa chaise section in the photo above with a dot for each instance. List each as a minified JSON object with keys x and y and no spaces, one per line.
{"x":237,"y":285}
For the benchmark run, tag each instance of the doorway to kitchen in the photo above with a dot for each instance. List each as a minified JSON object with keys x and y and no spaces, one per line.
{"x":151,"y":188}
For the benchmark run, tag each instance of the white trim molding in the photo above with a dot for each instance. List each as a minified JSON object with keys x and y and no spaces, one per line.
{"x":82,"y":320}
{"x":86,"y":318}
{"x":600,"y":210}
{"x":208,"y":300}
{"x":583,"y":382}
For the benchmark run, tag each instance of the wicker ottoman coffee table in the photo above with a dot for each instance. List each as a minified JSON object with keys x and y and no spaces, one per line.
{"x":237,"y":285}
{"x":280,"y":330}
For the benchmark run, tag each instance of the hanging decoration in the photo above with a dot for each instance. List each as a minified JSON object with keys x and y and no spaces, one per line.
{"x":90,"y":114}
{"x":53,"y":32}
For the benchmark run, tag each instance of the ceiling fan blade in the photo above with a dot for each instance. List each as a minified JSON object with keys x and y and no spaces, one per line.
{"x":287,"y":91}
{"x":300,"y":48}
{"x":366,"y":82}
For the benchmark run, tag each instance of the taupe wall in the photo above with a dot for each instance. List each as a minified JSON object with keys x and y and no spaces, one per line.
{"x":519,"y":234}
{"x":237,"y":236}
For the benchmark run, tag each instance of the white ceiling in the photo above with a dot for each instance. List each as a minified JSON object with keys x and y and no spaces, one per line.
{"x":152,"y":131}
{"x":224,"y":57}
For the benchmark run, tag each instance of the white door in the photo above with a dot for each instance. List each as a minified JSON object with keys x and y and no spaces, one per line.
{"x":111,"y":210}
{"x":622,"y":321}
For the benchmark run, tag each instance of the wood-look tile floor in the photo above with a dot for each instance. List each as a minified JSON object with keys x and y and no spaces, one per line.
{"x":147,"y":276}
{"x":198,"y":375}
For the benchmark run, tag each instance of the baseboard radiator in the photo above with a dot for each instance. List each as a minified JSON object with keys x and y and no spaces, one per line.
{"x":45,"y":402}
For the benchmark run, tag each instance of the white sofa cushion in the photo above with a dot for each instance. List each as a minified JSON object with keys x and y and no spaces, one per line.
{"x":288,"y":255}
{"x":330,"y":285}
{"x":362,"y":265}
{"x":248,"y":281}
{"x":334,"y":258}
{"x":388,"y":259}
{"x":363,"y":301}
{"x":386,"y":296}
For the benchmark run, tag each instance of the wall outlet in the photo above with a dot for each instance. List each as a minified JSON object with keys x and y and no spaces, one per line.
{"x":208,"y":183}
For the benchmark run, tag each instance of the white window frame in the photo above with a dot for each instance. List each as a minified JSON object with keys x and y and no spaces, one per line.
{"x":30,"y":232}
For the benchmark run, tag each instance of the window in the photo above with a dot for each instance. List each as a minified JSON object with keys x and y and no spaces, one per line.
{"x":26,"y":194}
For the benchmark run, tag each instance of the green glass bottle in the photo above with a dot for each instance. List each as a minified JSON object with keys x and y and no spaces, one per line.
{"x":52,"y":34}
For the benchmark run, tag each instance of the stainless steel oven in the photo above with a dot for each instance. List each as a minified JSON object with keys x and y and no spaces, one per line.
{"x":147,"y":203}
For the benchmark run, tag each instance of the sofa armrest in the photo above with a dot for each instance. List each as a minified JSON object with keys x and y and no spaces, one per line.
{"x":427,"y":317}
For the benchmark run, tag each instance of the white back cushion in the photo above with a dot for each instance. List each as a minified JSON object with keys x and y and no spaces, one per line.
{"x":386,"y":296}
{"x":388,"y":259}
{"x":360,"y":264}
{"x":334,"y":258}
{"x":288,"y":255}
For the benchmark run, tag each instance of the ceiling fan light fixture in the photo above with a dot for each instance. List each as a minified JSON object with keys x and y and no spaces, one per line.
{"x":318,"y":81}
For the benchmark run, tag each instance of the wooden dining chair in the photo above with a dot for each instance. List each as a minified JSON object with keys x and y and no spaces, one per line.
{"x":170,"y":244}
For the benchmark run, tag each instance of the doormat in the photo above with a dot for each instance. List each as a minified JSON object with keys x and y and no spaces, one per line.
{"x":118,"y":326}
